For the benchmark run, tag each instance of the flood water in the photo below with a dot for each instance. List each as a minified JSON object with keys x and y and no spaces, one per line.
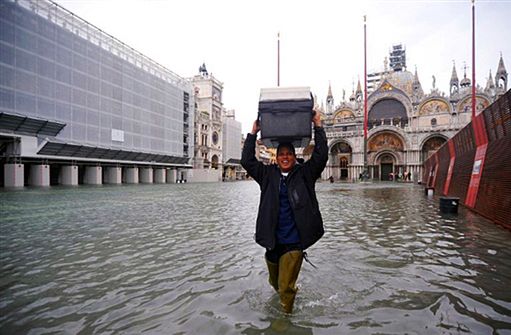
{"x":181,"y":259}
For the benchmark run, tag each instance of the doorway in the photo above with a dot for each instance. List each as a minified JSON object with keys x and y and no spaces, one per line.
{"x":386,"y":167}
{"x":343,"y":164}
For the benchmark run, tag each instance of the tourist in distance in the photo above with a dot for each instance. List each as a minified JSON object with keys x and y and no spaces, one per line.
{"x":288,"y":220}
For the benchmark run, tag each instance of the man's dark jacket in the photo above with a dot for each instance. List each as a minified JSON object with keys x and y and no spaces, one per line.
{"x":302,"y":195}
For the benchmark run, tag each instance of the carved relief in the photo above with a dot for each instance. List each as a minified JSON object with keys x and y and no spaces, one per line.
{"x":387,"y":141}
{"x":434,"y":143}
{"x":341,"y":148}
{"x":466,"y":105}
{"x":431,"y":146}
{"x":343,"y":114}
{"x":434,"y":107}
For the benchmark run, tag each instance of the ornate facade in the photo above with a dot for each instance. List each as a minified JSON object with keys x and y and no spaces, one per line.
{"x":208,"y":120}
{"x":405,"y":125}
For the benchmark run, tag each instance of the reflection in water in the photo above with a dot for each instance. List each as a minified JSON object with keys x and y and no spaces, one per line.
{"x":279,"y":326}
{"x":181,"y":259}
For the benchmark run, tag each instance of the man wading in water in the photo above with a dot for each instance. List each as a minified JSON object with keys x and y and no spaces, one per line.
{"x":288,"y":221}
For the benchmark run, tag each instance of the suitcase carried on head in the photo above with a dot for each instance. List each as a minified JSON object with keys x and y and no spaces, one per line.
{"x":285,"y":115}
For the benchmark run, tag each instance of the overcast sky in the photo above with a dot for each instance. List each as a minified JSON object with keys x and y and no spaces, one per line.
{"x":321,"y":41}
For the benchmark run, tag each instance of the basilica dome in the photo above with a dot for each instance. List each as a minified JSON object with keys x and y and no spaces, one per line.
{"x":402,"y":80}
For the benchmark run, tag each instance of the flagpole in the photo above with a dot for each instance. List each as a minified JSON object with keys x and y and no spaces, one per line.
{"x":473,"y":61}
{"x":278,"y":58}
{"x":366,"y":172}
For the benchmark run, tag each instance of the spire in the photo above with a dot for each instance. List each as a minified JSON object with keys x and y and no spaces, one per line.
{"x":465,"y":82}
{"x":501,"y":76}
{"x":490,"y":83}
{"x":358,"y":94}
{"x":454,"y":83}
{"x":501,"y":67}
{"x":329,"y":100}
{"x":329,"y":95}
{"x":417,"y":87}
{"x":416,"y":80}
{"x":454,"y":75}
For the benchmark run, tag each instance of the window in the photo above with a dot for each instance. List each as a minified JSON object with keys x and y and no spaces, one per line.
{"x":433,"y":122}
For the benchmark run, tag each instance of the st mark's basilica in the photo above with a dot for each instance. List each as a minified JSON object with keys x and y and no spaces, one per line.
{"x":405,"y":124}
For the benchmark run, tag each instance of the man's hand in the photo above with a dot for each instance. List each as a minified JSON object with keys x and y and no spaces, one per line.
{"x":316,"y":117}
{"x":255,"y":127}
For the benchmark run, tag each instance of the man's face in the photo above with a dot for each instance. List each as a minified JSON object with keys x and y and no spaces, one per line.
{"x":285,"y":159}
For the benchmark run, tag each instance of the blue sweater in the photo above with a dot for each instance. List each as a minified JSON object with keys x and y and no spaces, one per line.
{"x":286,"y":229}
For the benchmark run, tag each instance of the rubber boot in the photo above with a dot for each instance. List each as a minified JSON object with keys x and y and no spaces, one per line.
{"x":273,"y":270}
{"x":289,"y":268}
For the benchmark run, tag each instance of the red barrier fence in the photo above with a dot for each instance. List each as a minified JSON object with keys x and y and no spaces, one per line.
{"x":478,"y":170}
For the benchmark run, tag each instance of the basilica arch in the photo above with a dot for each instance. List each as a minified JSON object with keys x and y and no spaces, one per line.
{"x":430,"y":145}
{"x":343,"y":114}
{"x":434,"y":105}
{"x":385,"y":163}
{"x":386,"y":154}
{"x":465,"y":104}
{"x":340,"y":160}
{"x":388,"y":105}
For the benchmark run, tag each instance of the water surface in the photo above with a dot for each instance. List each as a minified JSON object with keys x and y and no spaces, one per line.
{"x":181,"y":259}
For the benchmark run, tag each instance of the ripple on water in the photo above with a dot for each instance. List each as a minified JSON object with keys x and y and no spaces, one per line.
{"x":149,"y":258}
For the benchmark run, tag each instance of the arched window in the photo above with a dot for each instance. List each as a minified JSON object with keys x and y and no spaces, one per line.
{"x":388,"y":109}
{"x":433,"y":122}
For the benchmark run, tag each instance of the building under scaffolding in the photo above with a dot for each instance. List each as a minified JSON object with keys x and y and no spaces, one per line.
{"x":79,"y":106}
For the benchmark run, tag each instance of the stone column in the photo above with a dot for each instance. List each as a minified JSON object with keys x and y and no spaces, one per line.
{"x":159,"y":176}
{"x":93,"y":175}
{"x":131,"y":175}
{"x":68,"y":175}
{"x":146,"y":175}
{"x":14,"y":175}
{"x":39,"y":175}
{"x":171,"y":176}
{"x":113,"y":175}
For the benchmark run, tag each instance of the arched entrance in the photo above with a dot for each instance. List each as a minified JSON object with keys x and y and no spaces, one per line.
{"x":386,"y":163}
{"x":340,"y":155}
{"x":214,"y":162}
{"x":386,"y":150}
{"x":431,"y":145}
